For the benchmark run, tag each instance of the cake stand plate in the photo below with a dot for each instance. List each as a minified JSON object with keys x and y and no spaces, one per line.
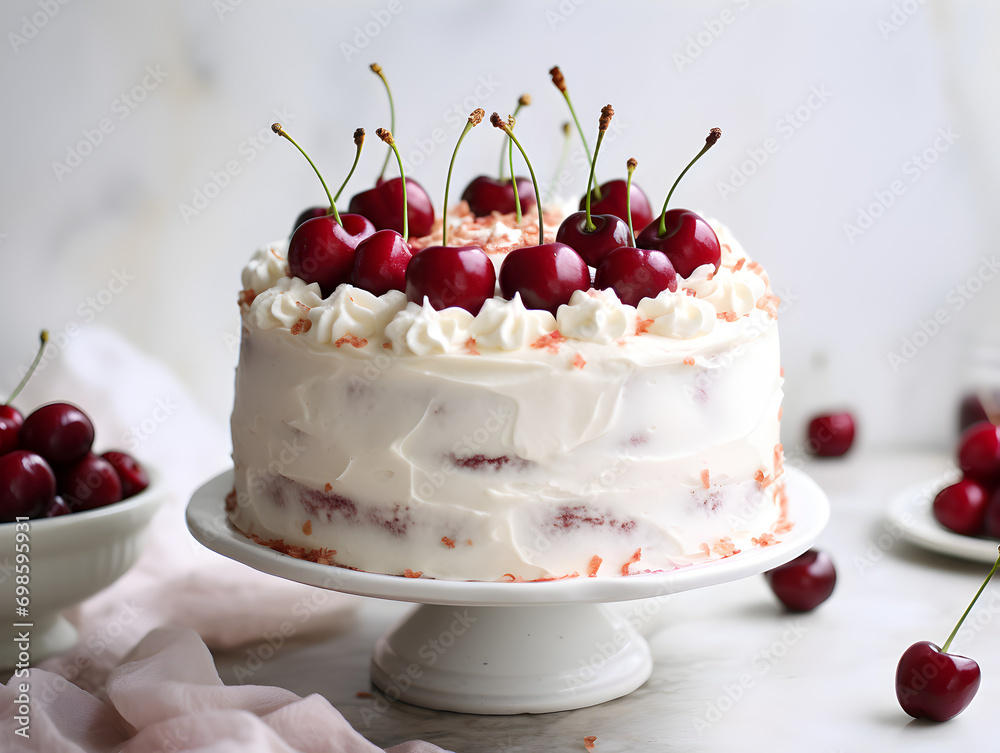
{"x":509,"y":648}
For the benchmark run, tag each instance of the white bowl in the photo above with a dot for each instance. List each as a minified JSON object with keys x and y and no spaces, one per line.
{"x":69,"y":558}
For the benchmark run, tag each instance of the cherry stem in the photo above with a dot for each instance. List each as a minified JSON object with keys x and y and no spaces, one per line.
{"x":386,"y":136}
{"x":377,"y":70}
{"x":474,"y":119}
{"x":43,"y":338}
{"x":560,"y":83}
{"x":631,"y":165}
{"x":359,"y":139}
{"x":513,"y":182}
{"x":495,"y":120}
{"x":276,"y":127}
{"x":713,"y":136}
{"x":968,"y":609}
{"x":508,"y":147}
{"x":606,"y":114}
{"x":567,"y":129}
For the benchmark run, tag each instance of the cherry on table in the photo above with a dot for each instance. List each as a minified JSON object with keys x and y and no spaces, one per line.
{"x":27,"y":485}
{"x":132,"y":475}
{"x":979,"y":452}
{"x":934,"y":684}
{"x":90,"y":483}
{"x":831,"y":434}
{"x":961,"y":507}
{"x":805,"y":582}
{"x":970,"y":412}
{"x":59,"y":432}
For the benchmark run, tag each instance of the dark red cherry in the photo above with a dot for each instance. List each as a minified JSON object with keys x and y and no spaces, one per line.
{"x":635,"y":273}
{"x":59,"y":432}
{"x":688,"y":242}
{"x":961,"y":507}
{"x":90,"y":483}
{"x":485,"y":195}
{"x":13,"y":414}
{"x":970,"y":412}
{"x":383,"y":206}
{"x":8,"y":435}
{"x":610,"y":232}
{"x":380,"y":262}
{"x":991,"y":524}
{"x":831,"y":435}
{"x":805,"y":582}
{"x":614,"y":201}
{"x":133,"y":476}
{"x":322,"y":251}
{"x":979,"y":452}
{"x":27,"y":485}
{"x":57,"y":508}
{"x":309,"y":214}
{"x":931,"y":684}
{"x":546,"y":276}
{"x":462,"y":276}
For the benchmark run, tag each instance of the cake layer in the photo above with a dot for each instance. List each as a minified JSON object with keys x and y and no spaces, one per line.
{"x":606,"y":440}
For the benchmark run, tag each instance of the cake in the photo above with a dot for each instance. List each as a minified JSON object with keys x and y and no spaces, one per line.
{"x":605,"y":440}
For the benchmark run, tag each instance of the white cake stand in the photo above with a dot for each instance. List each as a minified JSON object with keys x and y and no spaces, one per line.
{"x":509,"y":648}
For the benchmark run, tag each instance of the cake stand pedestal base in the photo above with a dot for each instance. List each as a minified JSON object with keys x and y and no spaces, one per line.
{"x":510,"y":660}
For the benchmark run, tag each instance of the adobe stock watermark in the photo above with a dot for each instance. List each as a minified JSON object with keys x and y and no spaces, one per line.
{"x":455,"y":115}
{"x":219,"y":180}
{"x":163,"y":409}
{"x":363,"y":34}
{"x":899,"y":17}
{"x":87,"y":311}
{"x":557,"y":16}
{"x":123,"y":106}
{"x":33,"y":24}
{"x":913,"y":168}
{"x":760,"y":665}
{"x":713,"y":28}
{"x":956,"y":299}
{"x":786,"y":127}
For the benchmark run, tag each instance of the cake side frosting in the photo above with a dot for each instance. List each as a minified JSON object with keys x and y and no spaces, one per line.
{"x":513,"y":444}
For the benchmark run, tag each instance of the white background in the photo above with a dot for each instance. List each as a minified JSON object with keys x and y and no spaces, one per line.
{"x":894,"y":76}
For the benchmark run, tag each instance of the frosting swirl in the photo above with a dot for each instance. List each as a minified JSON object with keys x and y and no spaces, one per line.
{"x":352,"y":311}
{"x":727,"y":290}
{"x":285,"y":303}
{"x":677,"y":315}
{"x":265,"y":268}
{"x":595,"y":315}
{"x":422,"y":330}
{"x":508,"y":325}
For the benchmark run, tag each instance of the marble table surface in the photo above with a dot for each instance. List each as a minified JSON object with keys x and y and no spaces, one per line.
{"x":732,"y":669}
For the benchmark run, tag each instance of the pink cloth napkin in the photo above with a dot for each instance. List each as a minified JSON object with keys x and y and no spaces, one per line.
{"x":141,"y":677}
{"x":167,"y":696}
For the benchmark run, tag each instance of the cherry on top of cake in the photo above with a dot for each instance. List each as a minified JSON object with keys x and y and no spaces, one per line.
{"x":390,"y":240}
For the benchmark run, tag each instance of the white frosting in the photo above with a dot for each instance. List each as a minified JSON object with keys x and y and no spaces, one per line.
{"x":677,"y":315}
{"x":283,"y":305}
{"x":352,"y":311}
{"x":508,"y":325}
{"x":422,"y":330}
{"x":596,"y":316}
{"x":266,"y":267}
{"x":477,"y":448}
{"x":727,"y":290}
